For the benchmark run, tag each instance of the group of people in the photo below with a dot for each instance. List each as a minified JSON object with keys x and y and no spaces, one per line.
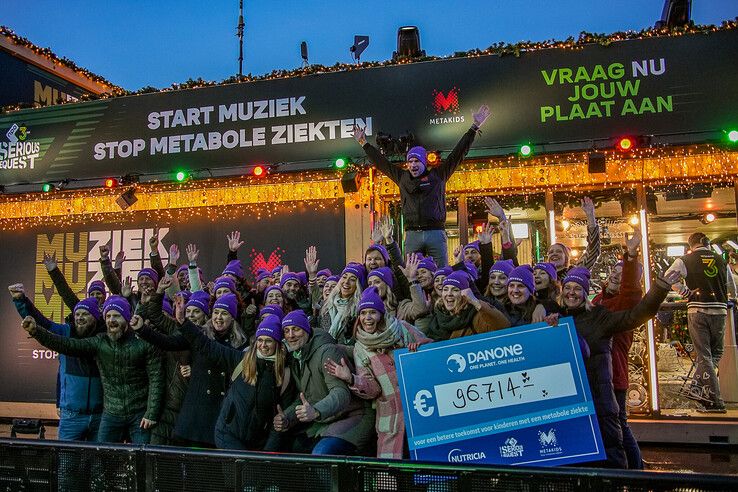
{"x":303,"y":361}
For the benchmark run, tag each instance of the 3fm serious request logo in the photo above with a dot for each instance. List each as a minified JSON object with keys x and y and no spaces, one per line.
{"x":511,"y":448}
{"x":18,"y":152}
{"x":446,"y":107}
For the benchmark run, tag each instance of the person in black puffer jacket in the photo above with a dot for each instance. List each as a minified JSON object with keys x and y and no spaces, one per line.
{"x":597,"y":325}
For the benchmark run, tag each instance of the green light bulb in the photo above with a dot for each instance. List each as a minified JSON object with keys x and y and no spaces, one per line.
{"x":733,"y":136}
{"x":181,"y":176}
{"x":526,"y":150}
{"x":340,"y":163}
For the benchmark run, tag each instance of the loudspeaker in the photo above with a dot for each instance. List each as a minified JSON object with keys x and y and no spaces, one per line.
{"x":127,"y":199}
{"x":596,"y":163}
{"x":350,"y":182}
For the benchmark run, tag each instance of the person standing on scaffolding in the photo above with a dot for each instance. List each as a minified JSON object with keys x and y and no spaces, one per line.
{"x":423,"y":190}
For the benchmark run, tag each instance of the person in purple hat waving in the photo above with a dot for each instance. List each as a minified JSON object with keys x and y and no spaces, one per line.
{"x":338,"y":314}
{"x":423,"y":189}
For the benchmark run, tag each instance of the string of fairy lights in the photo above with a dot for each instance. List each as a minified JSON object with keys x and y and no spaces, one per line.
{"x":498,"y":49}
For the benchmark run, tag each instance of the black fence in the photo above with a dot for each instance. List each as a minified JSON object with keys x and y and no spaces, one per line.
{"x":27,"y":465}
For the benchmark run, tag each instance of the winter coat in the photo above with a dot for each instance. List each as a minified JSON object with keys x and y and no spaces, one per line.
{"x":415,"y":307}
{"x":597,"y":326}
{"x":376,"y":379}
{"x":205,"y":390}
{"x":345,"y":333}
{"x":342,"y":415}
{"x":79,"y":383}
{"x":423,"y":198}
{"x":131,"y":370}
{"x":175,"y":383}
{"x":630,"y":294}
{"x":247,"y":414}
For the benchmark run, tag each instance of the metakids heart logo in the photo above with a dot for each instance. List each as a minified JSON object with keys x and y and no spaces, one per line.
{"x":448,"y":102}
{"x":259,"y":261}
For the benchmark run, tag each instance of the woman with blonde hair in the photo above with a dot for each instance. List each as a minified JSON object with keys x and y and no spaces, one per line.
{"x":339,"y":311}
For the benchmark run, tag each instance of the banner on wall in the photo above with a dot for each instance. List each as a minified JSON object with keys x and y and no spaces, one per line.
{"x":28,"y":370}
{"x":651,"y":86}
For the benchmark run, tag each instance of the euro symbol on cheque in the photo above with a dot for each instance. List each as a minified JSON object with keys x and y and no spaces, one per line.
{"x":420,"y":404}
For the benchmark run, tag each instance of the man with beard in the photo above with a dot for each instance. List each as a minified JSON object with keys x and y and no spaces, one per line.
{"x":80,"y":390}
{"x":132,"y":391}
{"x":295,"y":293}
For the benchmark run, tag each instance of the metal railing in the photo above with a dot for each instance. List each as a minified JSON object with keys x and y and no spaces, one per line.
{"x":30,"y":465}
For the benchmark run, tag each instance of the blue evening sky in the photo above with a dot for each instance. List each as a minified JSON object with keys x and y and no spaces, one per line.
{"x":136,"y":43}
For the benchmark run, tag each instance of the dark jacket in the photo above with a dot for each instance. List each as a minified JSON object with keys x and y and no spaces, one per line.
{"x":247,"y":414}
{"x":175,"y":383}
{"x":131,"y":372}
{"x":597,"y":326}
{"x":423,"y":198}
{"x":79,"y":383}
{"x":342,"y":414}
{"x":205,"y":391}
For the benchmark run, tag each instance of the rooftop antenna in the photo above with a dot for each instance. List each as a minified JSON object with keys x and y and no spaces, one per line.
{"x":239,"y":33}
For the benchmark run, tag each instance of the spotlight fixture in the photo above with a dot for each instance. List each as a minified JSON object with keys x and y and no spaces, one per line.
{"x":434,"y":158}
{"x":304,"y":53}
{"x":127,"y":199}
{"x":259,"y":171}
{"x":596,"y":163}
{"x":408,"y":43}
{"x":676,"y":13}
{"x":708,"y":218}
{"x":360,"y":44}
{"x":351,"y":182}
{"x":110,"y":183}
{"x":565,"y":224}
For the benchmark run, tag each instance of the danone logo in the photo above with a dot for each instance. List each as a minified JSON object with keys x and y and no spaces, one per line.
{"x":456,"y":363}
{"x":457,"y":456}
{"x":446,"y":103}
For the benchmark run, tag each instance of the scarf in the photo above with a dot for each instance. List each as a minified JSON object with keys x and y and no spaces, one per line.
{"x":393,"y":336}
{"x":270,"y":358}
{"x":443,"y":323}
{"x":338,"y":313}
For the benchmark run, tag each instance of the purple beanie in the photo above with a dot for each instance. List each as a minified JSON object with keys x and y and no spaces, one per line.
{"x":324,"y":273}
{"x":149,"y":272}
{"x":234,"y":268}
{"x":382,"y":251}
{"x":271,"y":288}
{"x":182,"y":268}
{"x":458,"y":279}
{"x":166,"y":306}
{"x":90,"y":305}
{"x":443,"y":272}
{"x":524,"y":275}
{"x":384,"y":274}
{"x":229,"y":303}
{"x":370,"y":300}
{"x":502,"y":266}
{"x":332,"y":278}
{"x":261,"y":276}
{"x":299,"y":319}
{"x":471,"y":269}
{"x":118,"y":304}
{"x":200,"y":300}
{"x":270,"y":327}
{"x":227,"y":282}
{"x":358,"y":270}
{"x":419,"y":153}
{"x":549,"y":268}
{"x":185,"y":294}
{"x":303,"y":278}
{"x":473,"y":245}
{"x":96,"y":285}
{"x":579,"y":275}
{"x":276,"y":269}
{"x":287,"y":277}
{"x":428,"y":264}
{"x":272,"y":309}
